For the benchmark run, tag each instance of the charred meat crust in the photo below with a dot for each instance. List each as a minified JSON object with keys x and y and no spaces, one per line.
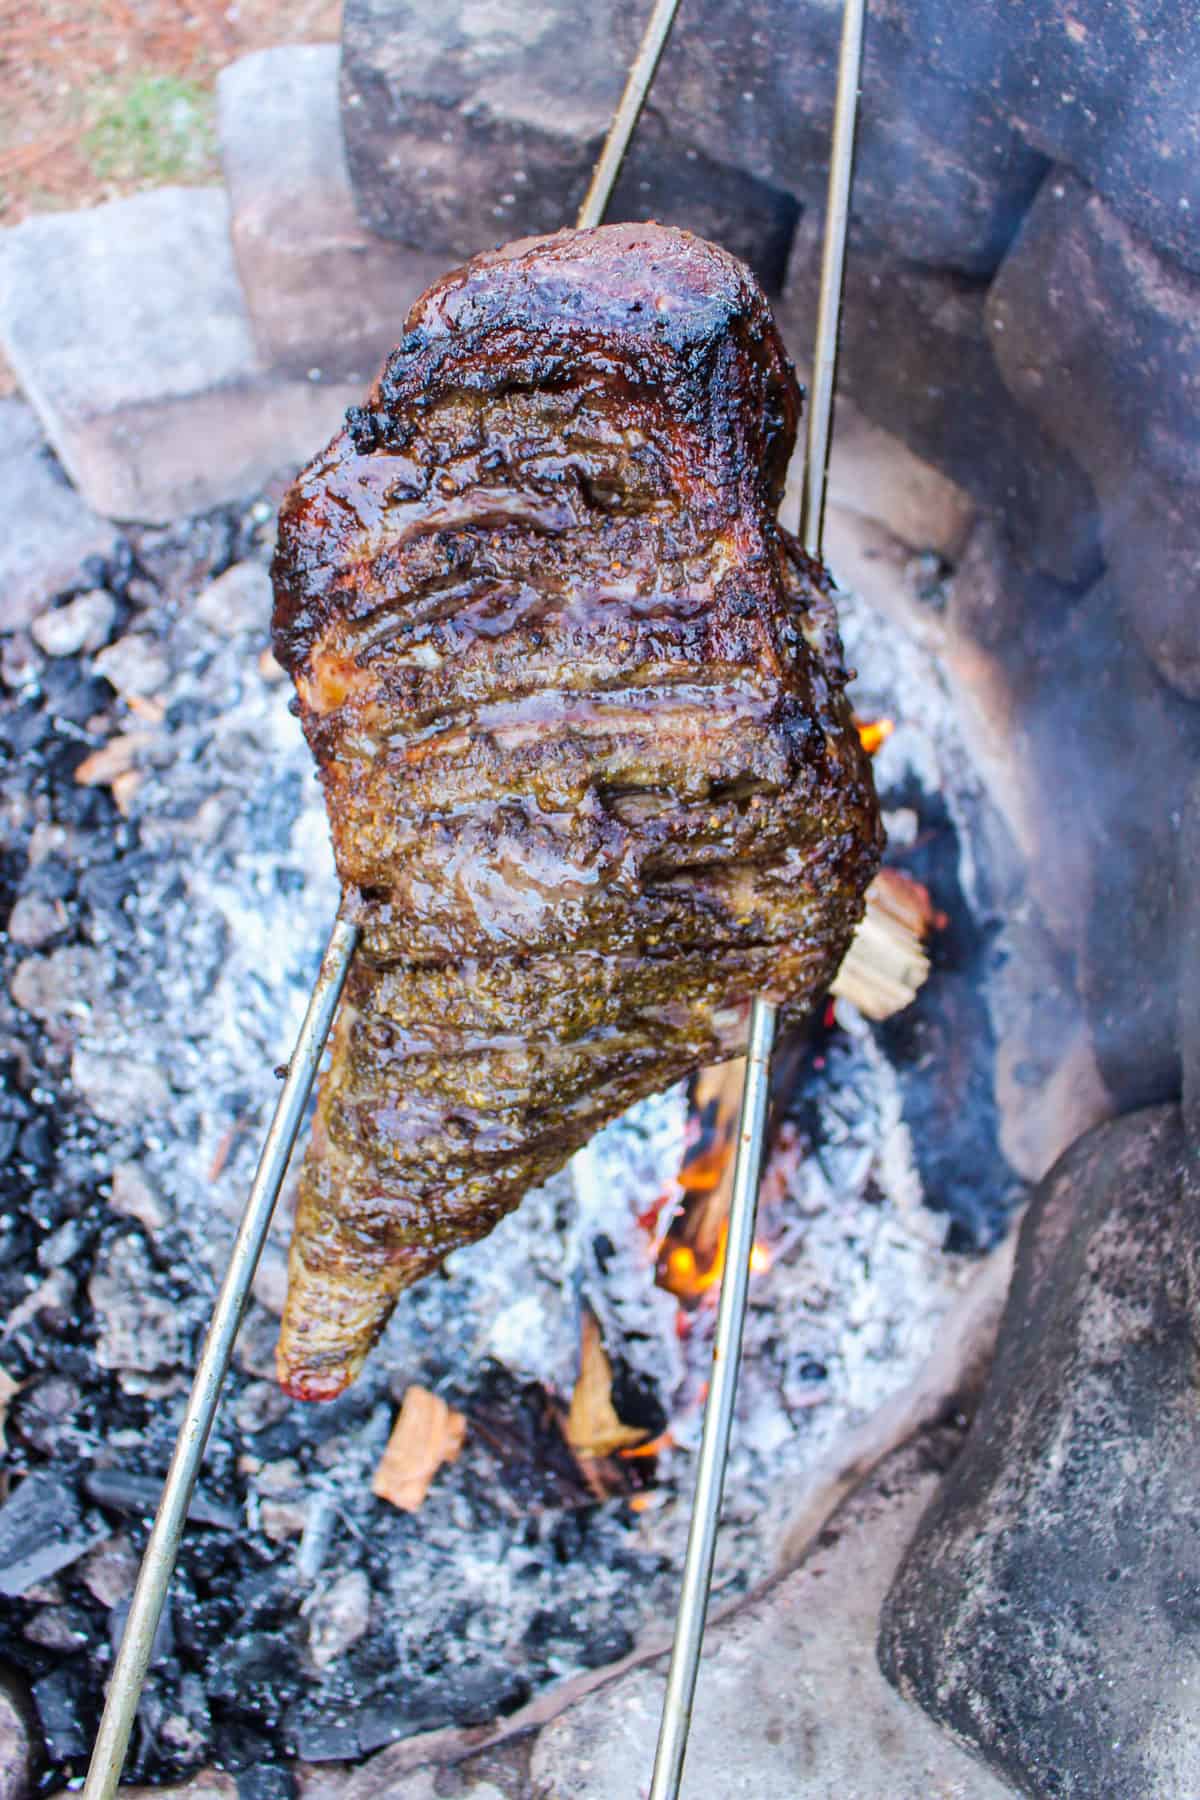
{"x":577,"y":703}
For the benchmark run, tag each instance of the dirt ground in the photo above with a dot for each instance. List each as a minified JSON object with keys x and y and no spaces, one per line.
{"x":105,"y":97}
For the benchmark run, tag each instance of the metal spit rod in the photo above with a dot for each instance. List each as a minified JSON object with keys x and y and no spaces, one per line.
{"x":162,"y":1548}
{"x":743,"y":1207}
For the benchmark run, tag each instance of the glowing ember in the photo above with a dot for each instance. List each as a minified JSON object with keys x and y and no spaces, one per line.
{"x":681,"y":1274}
{"x":873,"y":733}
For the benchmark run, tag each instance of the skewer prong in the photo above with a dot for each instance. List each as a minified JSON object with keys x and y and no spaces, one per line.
{"x":833,"y":262}
{"x":752,"y":1123}
{"x":718,"y":1413}
{"x":629,"y":106}
{"x":158,"y":1562}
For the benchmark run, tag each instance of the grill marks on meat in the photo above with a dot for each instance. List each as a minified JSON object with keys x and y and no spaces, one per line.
{"x":578,"y":708}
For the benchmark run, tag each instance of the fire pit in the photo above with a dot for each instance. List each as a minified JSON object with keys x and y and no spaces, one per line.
{"x":166,"y":883}
{"x":172,"y":924}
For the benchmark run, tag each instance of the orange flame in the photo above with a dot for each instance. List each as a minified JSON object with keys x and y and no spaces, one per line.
{"x":684,"y":1278}
{"x":874,"y":733}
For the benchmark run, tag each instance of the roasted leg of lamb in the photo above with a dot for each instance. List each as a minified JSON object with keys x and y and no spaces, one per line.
{"x":577,"y":703}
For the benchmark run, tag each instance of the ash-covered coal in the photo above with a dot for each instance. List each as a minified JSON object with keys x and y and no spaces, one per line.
{"x":164,"y":917}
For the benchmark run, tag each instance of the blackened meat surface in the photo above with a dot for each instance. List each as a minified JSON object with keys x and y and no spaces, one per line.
{"x":578,"y":707}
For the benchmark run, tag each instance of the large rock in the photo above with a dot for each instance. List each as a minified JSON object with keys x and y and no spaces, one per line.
{"x":322,"y":291}
{"x":915,"y":357}
{"x":49,"y":530}
{"x":473,"y":123}
{"x":940,"y":177}
{"x":1058,"y":683}
{"x":1096,"y":335}
{"x":1046,"y":1612}
{"x":481,"y":122}
{"x":1112,"y":90}
{"x":126,"y":327}
{"x":790,"y":1700}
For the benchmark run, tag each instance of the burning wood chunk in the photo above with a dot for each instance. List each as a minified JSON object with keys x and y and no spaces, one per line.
{"x":593,"y":1428}
{"x":427,"y":1433}
{"x":883,"y":971}
{"x":886,"y":966}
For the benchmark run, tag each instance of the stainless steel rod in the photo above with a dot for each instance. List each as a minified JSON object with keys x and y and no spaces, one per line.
{"x":637,"y":86}
{"x":158,"y":1563}
{"x":833,"y":259}
{"x":718,"y":1415}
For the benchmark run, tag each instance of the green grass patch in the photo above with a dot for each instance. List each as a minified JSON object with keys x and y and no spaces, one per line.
{"x":159,"y":128}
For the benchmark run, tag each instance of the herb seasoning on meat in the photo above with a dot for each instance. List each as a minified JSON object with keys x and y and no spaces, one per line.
{"x":578,"y":706}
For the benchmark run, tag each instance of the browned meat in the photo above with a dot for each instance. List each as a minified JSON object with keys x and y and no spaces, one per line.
{"x":578,"y":708}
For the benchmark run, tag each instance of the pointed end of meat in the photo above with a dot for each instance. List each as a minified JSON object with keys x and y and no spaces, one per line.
{"x":310,"y":1384}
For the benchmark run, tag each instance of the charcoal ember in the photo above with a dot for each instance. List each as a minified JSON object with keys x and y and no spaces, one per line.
{"x":266,"y":1781}
{"x":1093,"y":330}
{"x":1046,"y":1610}
{"x":64,"y":1701}
{"x":1111,"y":91}
{"x":122,"y":1491}
{"x":185,"y":1731}
{"x":63,"y":1628}
{"x":256,"y":1676}
{"x":70,"y":694}
{"x":110,"y":1571}
{"x":44,"y":1413}
{"x":517,"y":1422}
{"x":179,"y":558}
{"x":42,"y":1529}
{"x":18,"y":1745}
{"x":323,"y":1731}
{"x":163,"y":1647}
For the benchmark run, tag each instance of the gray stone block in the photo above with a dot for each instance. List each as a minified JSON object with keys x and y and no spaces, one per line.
{"x":480,"y":122}
{"x":42,"y":1531}
{"x":1095,"y":334}
{"x":1112,"y":90}
{"x":472,"y":124}
{"x":322,"y":291}
{"x":789,"y":1701}
{"x":126,"y":327}
{"x":1046,"y":1610}
{"x":915,"y":358}
{"x":49,"y":531}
